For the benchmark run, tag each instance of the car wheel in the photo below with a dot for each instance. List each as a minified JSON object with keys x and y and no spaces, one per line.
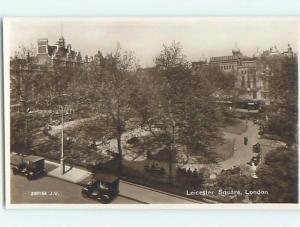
{"x":105,"y":199}
{"x":14,"y":171}
{"x":29,"y":177}
{"x":84,"y":194}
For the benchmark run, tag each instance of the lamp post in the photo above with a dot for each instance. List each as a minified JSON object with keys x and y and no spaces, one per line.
{"x":62,"y":162}
{"x":28,"y":116}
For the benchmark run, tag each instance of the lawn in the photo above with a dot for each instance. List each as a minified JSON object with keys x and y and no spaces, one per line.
{"x":225,"y":149}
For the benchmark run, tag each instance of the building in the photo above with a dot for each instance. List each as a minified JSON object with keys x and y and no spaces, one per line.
{"x":243,"y":68}
{"x":252,"y":78}
{"x":273,"y":51}
{"x":60,"y":52}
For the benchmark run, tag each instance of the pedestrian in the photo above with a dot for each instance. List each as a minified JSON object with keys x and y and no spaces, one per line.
{"x":245,"y":140}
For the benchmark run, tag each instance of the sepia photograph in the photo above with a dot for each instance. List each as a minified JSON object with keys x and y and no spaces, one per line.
{"x":184,"y":112}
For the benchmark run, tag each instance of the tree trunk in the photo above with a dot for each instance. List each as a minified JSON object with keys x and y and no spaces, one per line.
{"x":170,"y":163}
{"x":26,"y":134}
{"x":119,"y":141}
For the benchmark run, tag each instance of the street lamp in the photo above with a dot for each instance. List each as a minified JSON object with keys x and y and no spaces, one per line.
{"x":28,"y":116}
{"x":62,"y":162}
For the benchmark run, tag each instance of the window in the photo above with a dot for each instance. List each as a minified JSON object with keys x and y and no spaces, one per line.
{"x":254,"y":95}
{"x":248,"y":82}
{"x":254,"y":81}
{"x":265,"y":84}
{"x":243,"y":82}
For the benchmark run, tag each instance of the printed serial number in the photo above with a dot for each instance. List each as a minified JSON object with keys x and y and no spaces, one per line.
{"x":45,"y":193}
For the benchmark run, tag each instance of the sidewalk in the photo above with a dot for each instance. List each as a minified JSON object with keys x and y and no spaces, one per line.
{"x":73,"y":175}
{"x":242,"y":153}
{"x":129,"y":190}
{"x":152,"y":196}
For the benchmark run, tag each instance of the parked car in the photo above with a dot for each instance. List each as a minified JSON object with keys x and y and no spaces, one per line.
{"x":103,"y":187}
{"x":256,"y":148}
{"x":254,"y":160}
{"x":256,"y":121}
{"x":30,"y":166}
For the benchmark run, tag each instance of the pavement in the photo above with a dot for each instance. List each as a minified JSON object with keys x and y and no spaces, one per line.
{"x":73,"y":175}
{"x":152,"y":196}
{"x":69,"y":124}
{"x":246,"y":111}
{"x":242,"y":153}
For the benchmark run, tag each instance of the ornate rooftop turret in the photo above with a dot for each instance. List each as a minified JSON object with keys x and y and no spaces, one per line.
{"x":61,"y":42}
{"x":236,"y":50}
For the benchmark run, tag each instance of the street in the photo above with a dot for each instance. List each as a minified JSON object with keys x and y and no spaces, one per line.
{"x":52,"y":190}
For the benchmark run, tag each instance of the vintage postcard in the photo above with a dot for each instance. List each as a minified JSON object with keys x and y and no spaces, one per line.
{"x":151,"y":112}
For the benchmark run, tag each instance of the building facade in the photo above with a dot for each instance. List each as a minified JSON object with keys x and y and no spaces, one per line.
{"x":62,"y":53}
{"x":243,"y":67}
{"x":251,"y":77}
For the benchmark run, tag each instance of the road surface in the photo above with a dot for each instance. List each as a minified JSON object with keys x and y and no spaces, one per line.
{"x":52,"y":190}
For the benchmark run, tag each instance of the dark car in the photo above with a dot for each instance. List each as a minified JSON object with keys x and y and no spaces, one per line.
{"x":257,"y":122}
{"x":256,"y":148}
{"x":103,"y":187}
{"x":30,"y":166}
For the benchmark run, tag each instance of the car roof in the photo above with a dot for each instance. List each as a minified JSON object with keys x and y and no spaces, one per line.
{"x":33,"y":158}
{"x":106,"y":177}
{"x":16,"y":159}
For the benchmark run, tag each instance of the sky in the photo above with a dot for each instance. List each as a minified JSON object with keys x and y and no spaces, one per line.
{"x":198,"y":38}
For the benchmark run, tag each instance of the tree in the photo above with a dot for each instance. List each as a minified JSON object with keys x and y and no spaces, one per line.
{"x":179,"y":104}
{"x":218,"y":79}
{"x":283,"y":87}
{"x":114,"y":91}
{"x":37,"y":87}
{"x":279,"y":176}
{"x":23,"y":83}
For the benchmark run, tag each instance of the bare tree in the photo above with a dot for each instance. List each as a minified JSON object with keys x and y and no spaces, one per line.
{"x":23,"y":84}
{"x":179,"y":103}
{"x":114,"y":90}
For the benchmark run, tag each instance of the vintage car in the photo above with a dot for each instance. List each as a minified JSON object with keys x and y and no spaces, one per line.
{"x":254,"y":160}
{"x":30,"y":166}
{"x":256,"y":148}
{"x":103,"y":187}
